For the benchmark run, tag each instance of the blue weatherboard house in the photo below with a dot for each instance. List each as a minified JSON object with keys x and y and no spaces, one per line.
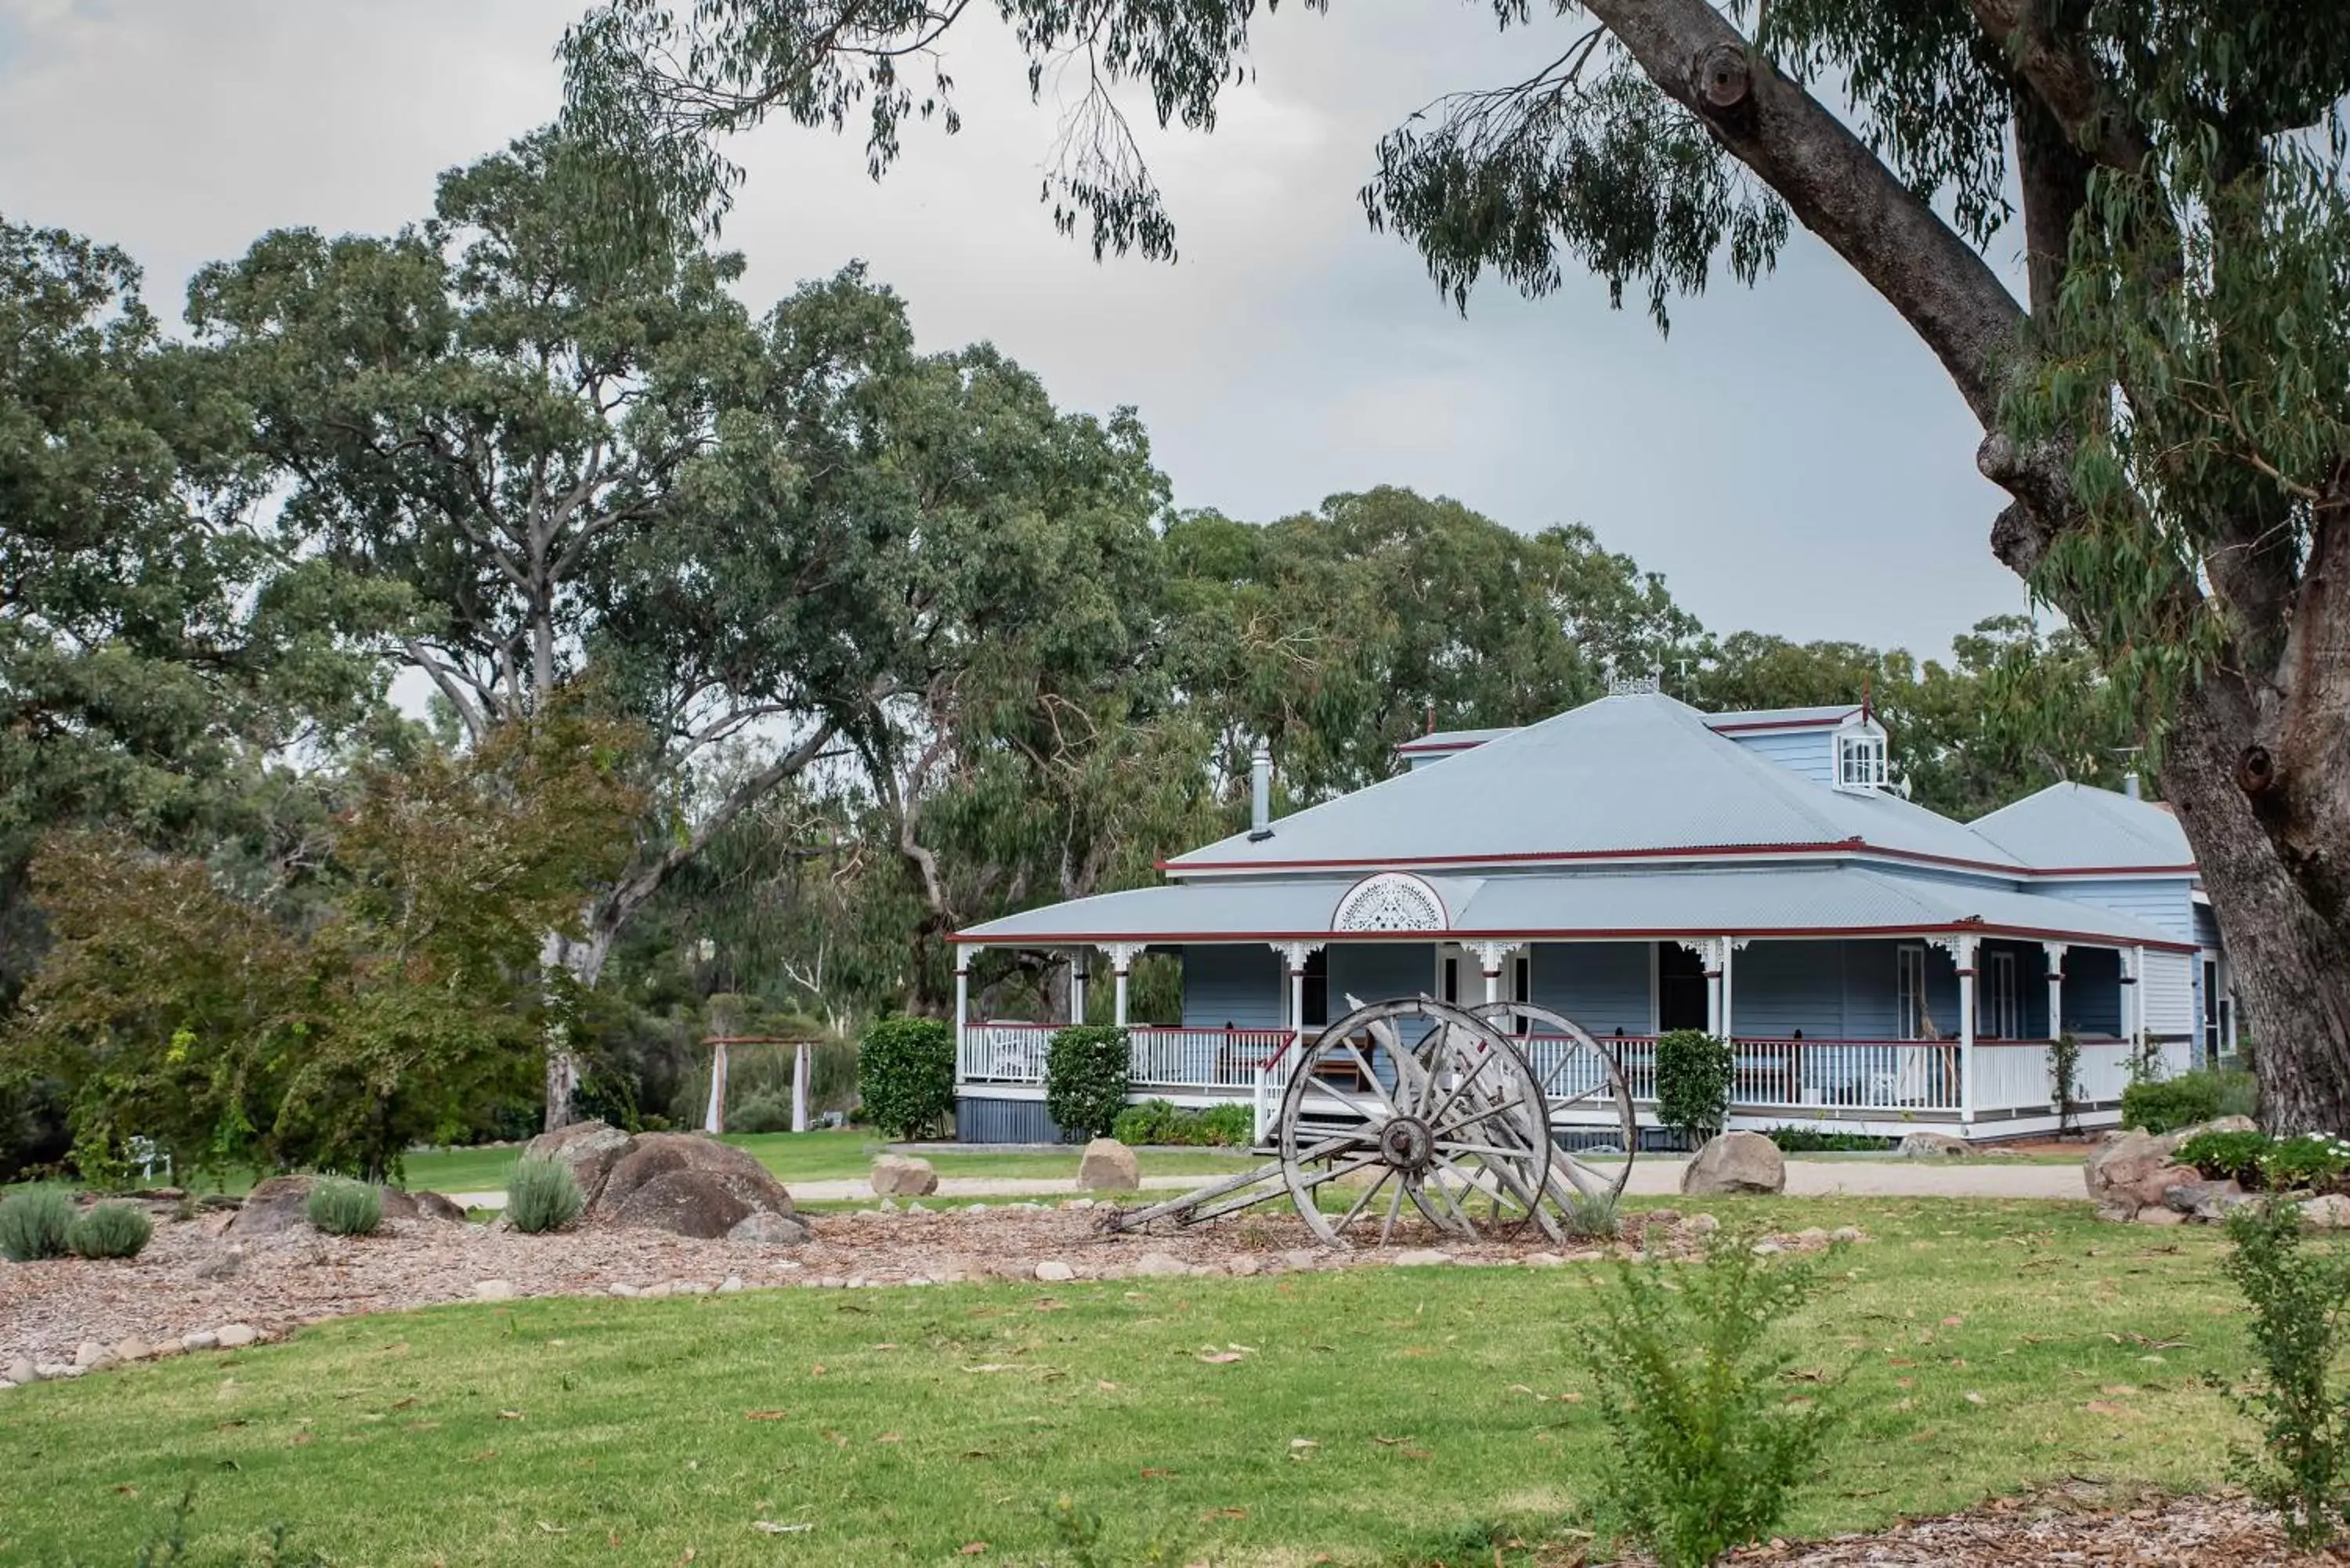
{"x":1640,"y":867}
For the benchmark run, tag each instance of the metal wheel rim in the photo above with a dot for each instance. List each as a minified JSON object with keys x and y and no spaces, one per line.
{"x":1611,"y":1086}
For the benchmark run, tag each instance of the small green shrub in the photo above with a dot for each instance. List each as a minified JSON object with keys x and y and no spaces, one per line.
{"x":1706,"y":1450}
{"x":1163,"y":1122}
{"x":1809,"y":1141}
{"x":2299,"y":1295}
{"x":2166,"y":1105}
{"x":1693,"y":1071}
{"x":2311,"y":1161}
{"x":905,"y":1073}
{"x":341,"y":1207}
{"x":33,"y":1224}
{"x":1593,"y":1216}
{"x":110,"y":1231}
{"x":2227,"y":1156}
{"x":764,"y":1113}
{"x":543,"y":1195}
{"x":2064,"y":1080}
{"x":1086,"y":1079}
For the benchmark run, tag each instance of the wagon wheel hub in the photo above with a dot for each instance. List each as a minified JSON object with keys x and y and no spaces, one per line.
{"x":1406,"y":1144}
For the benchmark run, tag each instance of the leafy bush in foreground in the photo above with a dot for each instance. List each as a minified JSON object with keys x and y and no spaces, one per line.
{"x":905,"y":1073}
{"x":341,"y":1207}
{"x":1706,"y":1450}
{"x":2299,"y":1296}
{"x":33,"y":1224}
{"x":110,"y":1231}
{"x":543,"y":1195}
{"x":2166,"y":1105}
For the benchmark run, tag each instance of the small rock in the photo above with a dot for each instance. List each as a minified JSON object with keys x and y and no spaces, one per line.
{"x":691,"y":1288}
{"x":22,"y":1370}
{"x":133,"y":1348}
{"x":1735,"y":1162}
{"x":920,"y":1208}
{"x":237,"y":1335}
{"x":221,"y":1264}
{"x":2158,"y":1215}
{"x":1701,"y":1224}
{"x":216,"y":1224}
{"x":2330,"y":1213}
{"x":2195,"y":1197}
{"x":50,"y":1371}
{"x":730,"y":1285}
{"x":201,"y":1339}
{"x":658,"y":1291}
{"x":1546,"y":1261}
{"x":902,"y":1176}
{"x":1302,"y":1259}
{"x":1846,"y":1233}
{"x":887,"y":1206}
{"x":1054,"y":1271}
{"x":918,"y":1280}
{"x":1244,"y":1265}
{"x":2118,"y":1213}
{"x":1814,"y":1237}
{"x":91,"y":1353}
{"x":624,"y":1291}
{"x":1108,"y":1166}
{"x":1419,"y":1258}
{"x":167,"y":1348}
{"x":1933,"y":1146}
{"x":772,"y":1229}
{"x":7,"y":1383}
{"x":974,"y":1208}
{"x":1159,"y":1265}
{"x":831,"y":1283}
{"x":494,"y":1291}
{"x":1078,"y":1205}
{"x":1768,"y":1249}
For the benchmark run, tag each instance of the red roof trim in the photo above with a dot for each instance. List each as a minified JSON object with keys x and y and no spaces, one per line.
{"x":1410,"y":746}
{"x":1699,"y":852}
{"x":1820,"y":723}
{"x":1628,"y":934}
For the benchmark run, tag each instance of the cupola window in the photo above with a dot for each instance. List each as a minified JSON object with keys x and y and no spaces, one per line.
{"x":1860,"y":759}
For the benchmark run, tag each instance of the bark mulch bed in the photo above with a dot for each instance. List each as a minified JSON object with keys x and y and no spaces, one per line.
{"x":2074,"y":1525}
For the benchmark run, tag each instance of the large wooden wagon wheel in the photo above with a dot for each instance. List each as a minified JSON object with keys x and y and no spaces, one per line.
{"x":1418,"y":1102}
{"x":1572,"y":1070}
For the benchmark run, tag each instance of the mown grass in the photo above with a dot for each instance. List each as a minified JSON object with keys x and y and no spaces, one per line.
{"x":1381,"y":1415}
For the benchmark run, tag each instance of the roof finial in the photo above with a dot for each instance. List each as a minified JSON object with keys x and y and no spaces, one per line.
{"x":1431,"y":719}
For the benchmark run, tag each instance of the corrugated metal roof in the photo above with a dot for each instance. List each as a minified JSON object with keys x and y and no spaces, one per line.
{"x":1635,"y":774}
{"x":1759,"y":901}
{"x":2072,"y":824}
{"x":1454,"y":740}
{"x":1781,"y":718}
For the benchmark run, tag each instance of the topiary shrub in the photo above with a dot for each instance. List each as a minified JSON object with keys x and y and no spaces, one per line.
{"x":33,"y":1224}
{"x":1693,"y":1072}
{"x":543,"y":1195}
{"x":905,"y":1073}
{"x":110,"y":1231}
{"x":341,"y":1207}
{"x":1086,"y":1072}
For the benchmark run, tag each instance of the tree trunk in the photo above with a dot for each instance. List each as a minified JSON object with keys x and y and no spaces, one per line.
{"x":2292,"y":961}
{"x":580,"y":963}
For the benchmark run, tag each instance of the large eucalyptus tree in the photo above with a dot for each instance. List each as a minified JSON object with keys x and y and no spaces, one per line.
{"x":2167,"y":404}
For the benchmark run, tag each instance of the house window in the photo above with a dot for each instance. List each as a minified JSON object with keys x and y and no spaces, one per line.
{"x":1448,"y":977}
{"x":1995,"y":1015}
{"x":1860,"y":759}
{"x":1680,"y":988}
{"x":1910,"y":1020}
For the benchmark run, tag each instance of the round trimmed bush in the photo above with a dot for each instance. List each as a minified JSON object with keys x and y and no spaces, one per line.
{"x":905,"y":1073}
{"x":110,"y":1231}
{"x":33,"y":1224}
{"x":341,"y":1207}
{"x":1693,"y":1073}
{"x":543,"y":1195}
{"x":1087,"y":1071}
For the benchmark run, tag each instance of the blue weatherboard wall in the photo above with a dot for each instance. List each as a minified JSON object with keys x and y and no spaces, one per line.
{"x":1603,"y":986}
{"x":1811,"y":752}
{"x":2092,"y":990}
{"x":1379,"y":971}
{"x":2165,"y":903}
{"x":1242,"y":985}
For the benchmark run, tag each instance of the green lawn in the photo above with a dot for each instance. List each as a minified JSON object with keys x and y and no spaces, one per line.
{"x":797,"y":1157}
{"x":1384,"y":1417}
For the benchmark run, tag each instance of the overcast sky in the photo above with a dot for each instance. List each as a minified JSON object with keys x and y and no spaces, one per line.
{"x":1791,"y":458}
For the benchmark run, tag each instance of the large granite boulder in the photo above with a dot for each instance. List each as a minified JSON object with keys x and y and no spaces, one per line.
{"x":1923,"y":1145}
{"x":591,"y":1148}
{"x":688,"y":1185}
{"x":902,"y":1176}
{"x":283,"y":1202}
{"x":1108,"y":1166}
{"x":2131,"y":1172}
{"x":1734,"y":1163}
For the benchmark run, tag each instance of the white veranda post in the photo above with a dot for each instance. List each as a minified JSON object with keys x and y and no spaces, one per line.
{"x":1712,"y":954}
{"x":1077,"y":986}
{"x":1963,"y":950}
{"x":962,"y":1001}
{"x":2056,"y":951}
{"x":1121,"y":961}
{"x":802,"y":1064}
{"x":1269,"y":1079}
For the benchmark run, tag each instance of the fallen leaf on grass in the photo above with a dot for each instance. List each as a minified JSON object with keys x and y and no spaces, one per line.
{"x":891,"y":1438}
{"x":546,"y":1529}
{"x":2108,"y":1407}
{"x":769,"y":1527}
{"x":817,"y":1370}
{"x":989,"y":1367}
{"x":1158,"y":1475}
{"x":511,"y":1416}
{"x":765,"y":1415}
{"x":403,"y":1404}
{"x":1225,"y":1514}
{"x":1973,"y":1397}
{"x":1104,"y":1385}
{"x":972,"y":1549}
{"x":1222,"y":1357}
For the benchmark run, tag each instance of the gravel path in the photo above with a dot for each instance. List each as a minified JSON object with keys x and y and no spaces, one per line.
{"x":1652,"y":1175}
